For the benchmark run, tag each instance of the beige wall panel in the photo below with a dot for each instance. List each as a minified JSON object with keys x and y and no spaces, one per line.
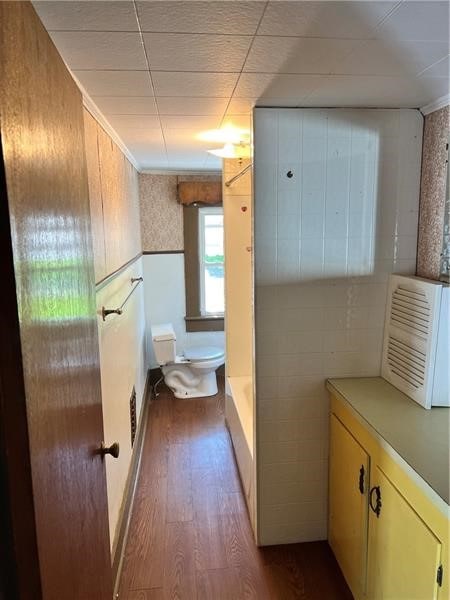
{"x":123,"y":365}
{"x":95,"y":195}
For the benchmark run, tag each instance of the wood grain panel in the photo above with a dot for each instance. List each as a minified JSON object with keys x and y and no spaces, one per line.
{"x":119,"y":184}
{"x":95,"y":195}
{"x":205,"y":192}
{"x":212,"y":556}
{"x":42,"y":132}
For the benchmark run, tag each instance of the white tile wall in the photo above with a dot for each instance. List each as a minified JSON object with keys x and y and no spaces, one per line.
{"x":325,"y":241}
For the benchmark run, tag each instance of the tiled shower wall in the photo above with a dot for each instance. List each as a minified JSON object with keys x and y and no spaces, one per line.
{"x":336,"y":211}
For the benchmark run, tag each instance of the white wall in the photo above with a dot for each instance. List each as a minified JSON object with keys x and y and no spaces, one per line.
{"x":165,"y":303}
{"x":325,"y":241}
{"x":123,"y":365}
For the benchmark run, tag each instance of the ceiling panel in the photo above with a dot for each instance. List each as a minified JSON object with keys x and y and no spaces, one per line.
{"x":192,"y":123}
{"x":271,"y":54}
{"x":324,"y":19}
{"x":376,"y":57}
{"x":427,"y":20}
{"x":296,"y":53}
{"x":439,"y":69}
{"x":196,"y":52}
{"x":276,"y":86}
{"x":395,"y":92}
{"x":191,"y":106}
{"x":87,"y":16}
{"x":100,"y":50}
{"x":115,"y":83}
{"x":139,"y":122}
{"x":241,"y":106}
{"x":201,"y":17}
{"x":131,"y":105}
{"x":194,"y":84}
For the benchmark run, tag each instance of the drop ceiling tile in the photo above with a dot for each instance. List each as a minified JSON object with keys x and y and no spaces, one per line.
{"x":186,"y":139}
{"x":289,"y":87}
{"x":427,"y":20}
{"x":145,"y":135}
{"x":196,"y":52}
{"x":377,"y":57}
{"x":191,"y":106}
{"x":379,"y":92}
{"x":439,"y":69}
{"x":194,"y":84}
{"x":270,"y":54}
{"x":115,"y":83}
{"x":148,"y":159}
{"x":87,"y":16}
{"x":134,"y":121}
{"x":201,"y":17}
{"x":186,"y":160}
{"x":187,"y":122}
{"x":323,"y":19}
{"x":241,"y":106}
{"x":239,"y":121}
{"x":131,"y":105}
{"x":100,"y":50}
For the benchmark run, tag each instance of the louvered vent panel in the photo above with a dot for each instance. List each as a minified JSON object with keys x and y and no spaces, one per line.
{"x":410,"y":311}
{"x":409,"y":338}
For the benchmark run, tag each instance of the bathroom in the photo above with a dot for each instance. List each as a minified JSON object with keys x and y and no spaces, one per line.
{"x":241,"y":181}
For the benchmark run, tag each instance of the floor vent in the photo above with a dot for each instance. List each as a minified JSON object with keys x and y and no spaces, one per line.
{"x":133,"y":415}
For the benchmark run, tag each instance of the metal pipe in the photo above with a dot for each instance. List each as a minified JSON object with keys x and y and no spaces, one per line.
{"x":118,"y":311}
{"x":233,"y":179}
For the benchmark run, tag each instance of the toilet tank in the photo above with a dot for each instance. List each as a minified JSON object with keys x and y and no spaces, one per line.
{"x":164,"y":343}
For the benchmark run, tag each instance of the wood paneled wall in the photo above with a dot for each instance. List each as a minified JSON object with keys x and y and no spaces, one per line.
{"x":114,"y":198}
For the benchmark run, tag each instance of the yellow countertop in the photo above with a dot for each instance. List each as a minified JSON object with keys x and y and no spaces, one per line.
{"x":420,"y":437}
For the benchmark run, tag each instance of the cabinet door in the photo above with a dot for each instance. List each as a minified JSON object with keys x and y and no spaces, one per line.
{"x":404,"y":554}
{"x":349,"y":468}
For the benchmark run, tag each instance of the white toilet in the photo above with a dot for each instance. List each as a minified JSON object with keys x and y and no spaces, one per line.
{"x":192,"y":375}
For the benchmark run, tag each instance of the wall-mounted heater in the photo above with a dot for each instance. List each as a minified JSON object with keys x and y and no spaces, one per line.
{"x":416,"y":339}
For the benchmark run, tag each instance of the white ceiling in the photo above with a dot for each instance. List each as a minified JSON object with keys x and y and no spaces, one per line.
{"x":160,"y":72}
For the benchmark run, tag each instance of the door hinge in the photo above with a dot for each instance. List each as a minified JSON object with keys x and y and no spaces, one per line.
{"x":440,"y":575}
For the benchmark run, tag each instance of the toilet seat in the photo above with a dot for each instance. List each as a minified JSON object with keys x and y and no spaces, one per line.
{"x":203,"y":353}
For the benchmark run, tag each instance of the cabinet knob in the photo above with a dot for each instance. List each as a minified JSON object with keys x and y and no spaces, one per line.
{"x":113,"y":450}
{"x":377,"y":508}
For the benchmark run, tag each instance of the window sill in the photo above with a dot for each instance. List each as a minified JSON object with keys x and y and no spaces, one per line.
{"x":204,"y":323}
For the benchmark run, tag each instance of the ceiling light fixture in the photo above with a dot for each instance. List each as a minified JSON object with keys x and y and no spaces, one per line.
{"x":230,"y":150}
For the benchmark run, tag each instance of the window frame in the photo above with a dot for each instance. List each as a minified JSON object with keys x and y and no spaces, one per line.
{"x":203,"y":212}
{"x":195,"y":322}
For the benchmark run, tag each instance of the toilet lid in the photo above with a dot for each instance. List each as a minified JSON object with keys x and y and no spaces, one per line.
{"x":203,"y":353}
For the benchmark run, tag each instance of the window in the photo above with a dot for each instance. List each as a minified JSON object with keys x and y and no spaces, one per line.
{"x":204,"y":267}
{"x":211,"y":258}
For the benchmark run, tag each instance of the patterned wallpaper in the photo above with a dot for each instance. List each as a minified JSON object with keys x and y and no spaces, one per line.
{"x":432,"y":193}
{"x":161,"y":214}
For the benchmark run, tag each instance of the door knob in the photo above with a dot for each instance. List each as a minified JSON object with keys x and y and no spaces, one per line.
{"x":114,"y":449}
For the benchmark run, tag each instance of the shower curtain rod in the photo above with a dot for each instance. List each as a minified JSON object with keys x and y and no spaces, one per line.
{"x":233,"y":179}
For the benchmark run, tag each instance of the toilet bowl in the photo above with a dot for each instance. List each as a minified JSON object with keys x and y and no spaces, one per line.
{"x":192,"y":375}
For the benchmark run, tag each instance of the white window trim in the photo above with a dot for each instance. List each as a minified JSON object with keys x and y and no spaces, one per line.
{"x":202,"y":213}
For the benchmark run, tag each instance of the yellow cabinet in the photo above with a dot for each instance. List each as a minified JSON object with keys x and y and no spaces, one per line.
{"x":349,"y":471}
{"x":404,"y":555}
{"x":391,"y":537}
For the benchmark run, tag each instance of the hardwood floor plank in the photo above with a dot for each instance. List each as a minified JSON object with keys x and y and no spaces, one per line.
{"x":144,"y":562}
{"x":179,"y":485}
{"x":218,"y":584}
{"x":152,"y":594}
{"x":179,"y":571}
{"x":190,"y":536}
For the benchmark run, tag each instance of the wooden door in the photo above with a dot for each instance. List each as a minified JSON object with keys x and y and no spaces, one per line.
{"x":47,"y":192}
{"x":404,"y":555}
{"x":349,"y":479}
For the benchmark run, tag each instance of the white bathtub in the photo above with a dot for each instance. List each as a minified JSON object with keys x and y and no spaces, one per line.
{"x":239,"y":414}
